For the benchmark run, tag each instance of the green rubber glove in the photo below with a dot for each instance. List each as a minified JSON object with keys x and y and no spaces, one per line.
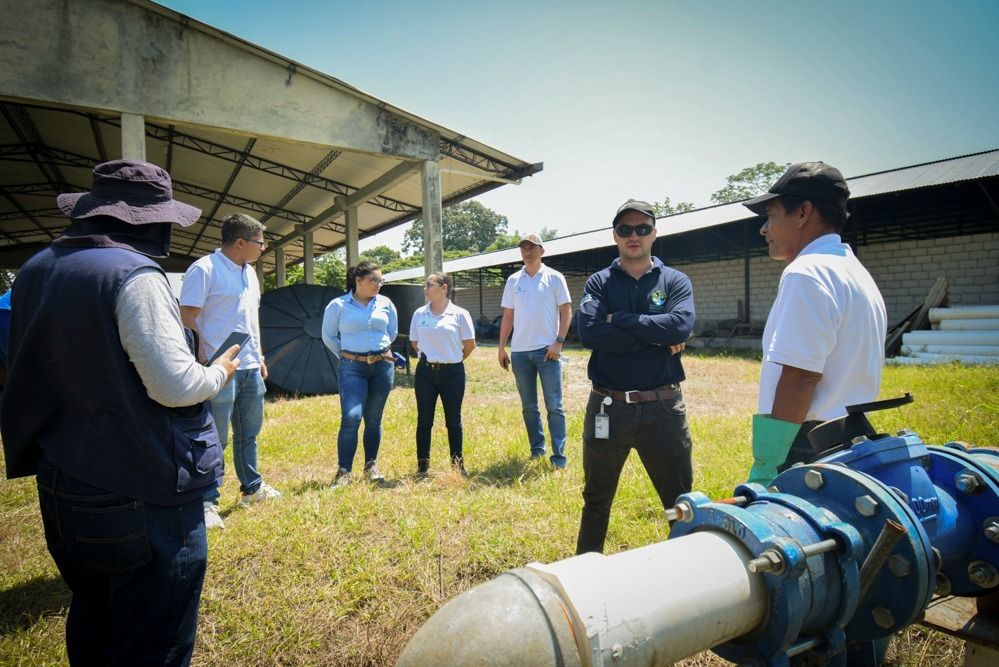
{"x":772,"y":440}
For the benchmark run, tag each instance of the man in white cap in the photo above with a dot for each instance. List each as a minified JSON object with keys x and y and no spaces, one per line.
{"x":106,"y":405}
{"x":537,"y":306}
{"x":823,"y":345}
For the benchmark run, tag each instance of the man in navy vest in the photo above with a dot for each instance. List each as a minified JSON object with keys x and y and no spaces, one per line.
{"x":106,"y":405}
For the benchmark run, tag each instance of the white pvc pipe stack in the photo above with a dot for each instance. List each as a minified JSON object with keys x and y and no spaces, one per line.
{"x":969,"y":325}
{"x":964,"y":313}
{"x":968,"y":350}
{"x":967,"y":334}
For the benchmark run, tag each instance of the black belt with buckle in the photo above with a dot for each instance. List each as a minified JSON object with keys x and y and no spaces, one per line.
{"x":436,"y":365}
{"x":665,"y":392}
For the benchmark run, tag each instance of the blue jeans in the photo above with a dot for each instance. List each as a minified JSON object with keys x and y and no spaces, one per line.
{"x":527,"y":367}
{"x":135,"y":571}
{"x":241,"y":401}
{"x":364,"y":389}
{"x":448,"y":382}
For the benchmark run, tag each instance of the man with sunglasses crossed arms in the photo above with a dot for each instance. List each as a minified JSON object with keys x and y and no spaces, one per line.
{"x":636,"y":316}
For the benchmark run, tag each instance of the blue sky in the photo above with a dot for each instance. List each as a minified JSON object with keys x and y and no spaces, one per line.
{"x":655,"y":99}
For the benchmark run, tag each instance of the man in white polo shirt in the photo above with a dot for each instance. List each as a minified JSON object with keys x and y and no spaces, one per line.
{"x":536,"y":305}
{"x":221,"y":295}
{"x":823,"y":345}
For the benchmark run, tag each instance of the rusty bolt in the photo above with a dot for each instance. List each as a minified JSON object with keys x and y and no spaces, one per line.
{"x":814,"y":480}
{"x":992,"y":529}
{"x":983,"y":574}
{"x":899,"y":566}
{"x":866,"y":505}
{"x":943,"y":584}
{"x":768,"y":561}
{"x":967,"y":481}
{"x":883,"y":617}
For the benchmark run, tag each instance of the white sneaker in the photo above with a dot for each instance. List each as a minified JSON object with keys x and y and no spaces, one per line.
{"x":212,"y":518}
{"x":265,"y":492}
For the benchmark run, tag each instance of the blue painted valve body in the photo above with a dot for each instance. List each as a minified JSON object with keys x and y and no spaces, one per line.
{"x":815,"y":527}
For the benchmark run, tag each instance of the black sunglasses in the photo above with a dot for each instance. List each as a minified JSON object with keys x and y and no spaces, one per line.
{"x":625,"y":231}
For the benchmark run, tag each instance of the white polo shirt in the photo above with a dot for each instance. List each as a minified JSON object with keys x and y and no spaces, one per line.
{"x":828,"y":318}
{"x":229,"y":298}
{"x":440,"y":337}
{"x":535,"y":301}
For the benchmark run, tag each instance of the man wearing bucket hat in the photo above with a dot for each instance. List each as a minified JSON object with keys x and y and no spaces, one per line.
{"x":106,"y":405}
{"x":823,"y":345}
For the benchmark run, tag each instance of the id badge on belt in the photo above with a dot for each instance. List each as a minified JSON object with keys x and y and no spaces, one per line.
{"x":601,"y":421}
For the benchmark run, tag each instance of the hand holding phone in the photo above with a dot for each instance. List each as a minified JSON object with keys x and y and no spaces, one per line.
{"x":237,"y":338}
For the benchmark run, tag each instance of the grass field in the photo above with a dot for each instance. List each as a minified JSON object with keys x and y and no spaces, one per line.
{"x":345,"y":577}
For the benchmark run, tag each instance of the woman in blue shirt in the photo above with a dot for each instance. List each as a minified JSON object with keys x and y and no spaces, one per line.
{"x":359,"y":328}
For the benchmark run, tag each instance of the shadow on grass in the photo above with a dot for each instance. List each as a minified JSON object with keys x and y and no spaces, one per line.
{"x":513,"y":470}
{"x":23,"y":605}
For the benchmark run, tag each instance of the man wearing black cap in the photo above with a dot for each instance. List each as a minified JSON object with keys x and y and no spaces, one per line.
{"x":106,"y":405}
{"x":823,"y":345}
{"x":636,"y":316}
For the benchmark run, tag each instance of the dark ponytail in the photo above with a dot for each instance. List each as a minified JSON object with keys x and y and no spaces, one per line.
{"x":362,"y":270}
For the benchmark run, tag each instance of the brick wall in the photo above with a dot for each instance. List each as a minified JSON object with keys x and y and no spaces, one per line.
{"x":905,"y":271}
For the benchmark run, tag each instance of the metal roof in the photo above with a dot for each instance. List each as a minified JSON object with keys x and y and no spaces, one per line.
{"x":53,"y":132}
{"x":941,"y":172}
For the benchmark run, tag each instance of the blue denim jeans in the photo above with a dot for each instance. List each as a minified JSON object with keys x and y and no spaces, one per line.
{"x":527,"y":368}
{"x":241,"y":401}
{"x":448,"y":382}
{"x":135,"y":570}
{"x":364,"y":389}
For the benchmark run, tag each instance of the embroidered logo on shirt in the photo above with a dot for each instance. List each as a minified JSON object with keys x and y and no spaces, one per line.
{"x":657,"y":301}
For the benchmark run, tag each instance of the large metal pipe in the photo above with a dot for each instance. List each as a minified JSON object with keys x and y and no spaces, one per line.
{"x":649,"y":606}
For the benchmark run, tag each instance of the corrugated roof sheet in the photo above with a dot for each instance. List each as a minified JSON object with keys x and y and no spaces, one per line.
{"x":951,"y":170}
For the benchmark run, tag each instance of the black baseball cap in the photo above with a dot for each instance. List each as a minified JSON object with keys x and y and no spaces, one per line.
{"x":814,"y":181}
{"x":635,"y":205}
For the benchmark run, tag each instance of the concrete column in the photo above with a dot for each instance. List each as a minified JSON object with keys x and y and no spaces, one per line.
{"x":433,"y":234}
{"x":260,"y":273}
{"x":279,"y":266}
{"x":133,"y":137}
{"x":308,"y":259}
{"x":353,"y":233}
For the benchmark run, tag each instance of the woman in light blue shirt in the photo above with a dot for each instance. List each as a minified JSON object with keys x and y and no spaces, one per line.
{"x":359,"y":328}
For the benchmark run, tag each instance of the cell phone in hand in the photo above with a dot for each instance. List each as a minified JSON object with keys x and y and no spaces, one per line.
{"x":235,"y":338}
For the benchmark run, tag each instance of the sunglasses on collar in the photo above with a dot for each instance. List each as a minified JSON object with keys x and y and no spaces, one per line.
{"x":624,"y":231}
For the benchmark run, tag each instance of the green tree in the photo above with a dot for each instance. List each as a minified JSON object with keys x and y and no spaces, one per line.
{"x":749,"y":182}
{"x":381,"y":255}
{"x":468,"y":226}
{"x":329,"y":269}
{"x":504,"y":241}
{"x":666,"y":207}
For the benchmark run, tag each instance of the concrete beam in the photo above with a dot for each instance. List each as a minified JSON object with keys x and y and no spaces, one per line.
{"x":386,"y":181}
{"x":136,"y":57}
{"x":433,"y":230}
{"x":133,"y":137}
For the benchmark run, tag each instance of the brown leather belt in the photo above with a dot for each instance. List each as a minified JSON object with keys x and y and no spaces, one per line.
{"x":667,"y":391}
{"x":370,"y":358}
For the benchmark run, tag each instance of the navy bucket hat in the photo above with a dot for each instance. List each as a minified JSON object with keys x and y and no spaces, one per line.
{"x":134,"y":192}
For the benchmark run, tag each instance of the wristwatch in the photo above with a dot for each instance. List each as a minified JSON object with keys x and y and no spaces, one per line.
{"x":560,"y":339}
